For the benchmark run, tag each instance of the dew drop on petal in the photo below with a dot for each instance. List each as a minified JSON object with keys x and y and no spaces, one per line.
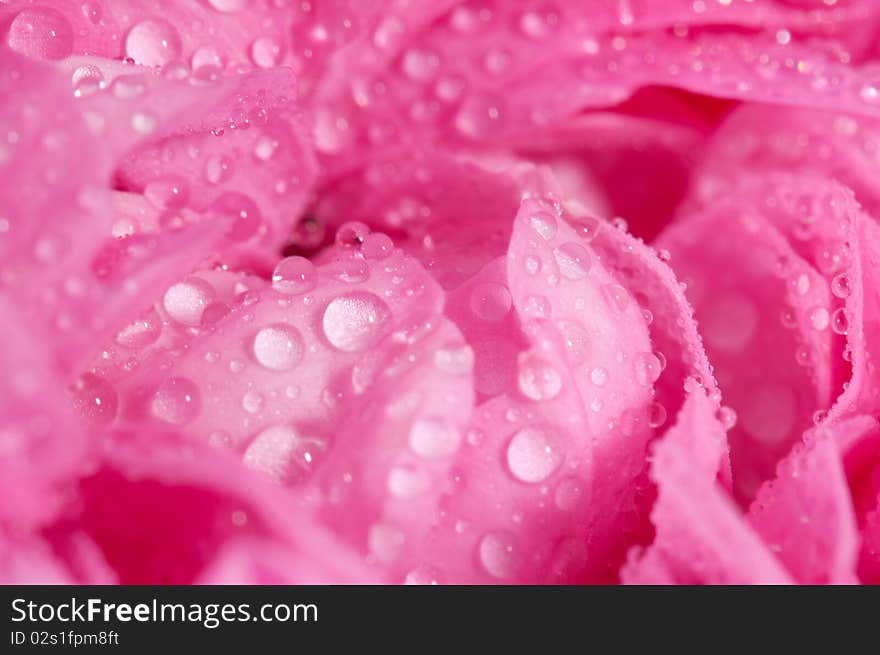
{"x":656,"y":415}
{"x":599,"y":376}
{"x":533,"y":454}
{"x":177,"y":401}
{"x":95,"y":399}
{"x":490,"y":301}
{"x":252,"y":402}
{"x":819,"y":318}
{"x":142,"y":332}
{"x":616,"y":297}
{"x":385,"y":542}
{"x":153,"y":42}
{"x":408,"y":481}
{"x":434,"y":438}
{"x":497,"y":554}
{"x":266,"y":52}
{"x":355,"y":321}
{"x":40,"y":33}
{"x":228,"y":6}
{"x":573,"y":260}
{"x":570,"y":492}
{"x":647,"y":368}
{"x":840,"y":321}
{"x":284,"y":454}
{"x":538,"y":379}
{"x":278,"y":347}
{"x":294,"y":276}
{"x":241,"y":212}
{"x":544,"y":223}
{"x":840,"y":285}
{"x":727,"y":416}
{"x":186,"y":301}
{"x":377,"y":246}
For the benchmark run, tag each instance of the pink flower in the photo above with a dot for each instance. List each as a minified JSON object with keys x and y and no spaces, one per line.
{"x":340,"y":292}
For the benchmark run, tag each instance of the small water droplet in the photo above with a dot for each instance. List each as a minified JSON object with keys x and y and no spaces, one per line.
{"x":242,"y":213}
{"x":408,"y":481}
{"x":599,"y":376}
{"x":285,"y":455}
{"x":538,"y":379}
{"x":656,"y":415}
{"x":727,"y":416}
{"x":377,"y":246}
{"x":840,"y":321}
{"x":533,"y":454}
{"x":840,"y":285}
{"x":497,"y":554}
{"x":647,"y":368}
{"x":819,"y":318}
{"x":252,"y":402}
{"x":95,"y":399}
{"x":544,"y":223}
{"x":266,"y":52}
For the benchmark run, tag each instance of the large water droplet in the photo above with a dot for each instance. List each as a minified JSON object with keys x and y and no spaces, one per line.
{"x":177,"y":401}
{"x":538,"y":379}
{"x":840,"y":321}
{"x":186,"y":301}
{"x":278,"y":347}
{"x":294,"y":276}
{"x":533,"y":454}
{"x":840,"y":285}
{"x":355,"y":321}
{"x":497,"y":553}
{"x":153,"y":42}
{"x":433,"y":438}
{"x":573,"y":260}
{"x":266,"y":52}
{"x":41,"y":33}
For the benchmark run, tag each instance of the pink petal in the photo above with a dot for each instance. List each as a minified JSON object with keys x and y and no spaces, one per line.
{"x":701,"y":535}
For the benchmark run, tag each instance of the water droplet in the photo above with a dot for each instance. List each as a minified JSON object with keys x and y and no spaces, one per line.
{"x":351,"y":234}
{"x":478,"y":116}
{"x":228,"y":6}
{"x":355,"y":321}
{"x":242,"y":213}
{"x":87,"y":80}
{"x":294,"y":276}
{"x":95,"y":399}
{"x":433,"y":438}
{"x":490,"y":301}
{"x":420,"y":65}
{"x":656,"y":415}
{"x":497,"y":554}
{"x":153,"y":42}
{"x":385,"y":542}
{"x":533,"y":454}
{"x":586,"y":227}
{"x":599,"y":376}
{"x":171,"y":192}
{"x":408,"y":481}
{"x":218,"y":168}
{"x":186,"y":301}
{"x":840,"y":285}
{"x":532,"y":264}
{"x":840,"y":321}
{"x":456,"y":360}
{"x":819,"y":318}
{"x":252,"y":402}
{"x":544,"y":224}
{"x":177,"y":401}
{"x":141,"y":333}
{"x":576,"y":340}
{"x":573,"y":260}
{"x":616,"y":296}
{"x":647,"y":368}
{"x":41,"y":33}
{"x":819,"y":415}
{"x":266,"y":52}
{"x":538,"y":379}
{"x":727,"y":416}
{"x":285,"y":455}
{"x":538,"y":25}
{"x":570,"y":492}
{"x":377,"y":246}
{"x":278,"y":347}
